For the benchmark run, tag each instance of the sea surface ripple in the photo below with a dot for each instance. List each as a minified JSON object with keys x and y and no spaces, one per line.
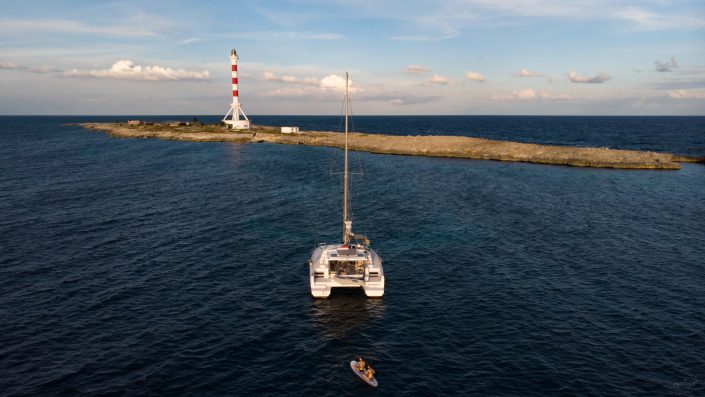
{"x":165,"y":268}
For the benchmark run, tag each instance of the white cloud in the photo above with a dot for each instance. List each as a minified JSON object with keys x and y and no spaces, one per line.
{"x":309,"y":86}
{"x":411,"y":100}
{"x":334,"y":82}
{"x":474,"y":76}
{"x":10,"y":65}
{"x":285,"y":35}
{"x":448,"y":19}
{"x":525,"y":94}
{"x":294,"y":91}
{"x":420,"y":37}
{"x":291,"y":19}
{"x":189,"y":41}
{"x":685,"y":94}
{"x":417,"y":69}
{"x":657,"y":21}
{"x":529,"y":94}
{"x":693,"y":78}
{"x":438,"y":80}
{"x":597,"y":79}
{"x":271,"y":76}
{"x":15,"y":26}
{"x":126,"y":69}
{"x":667,"y":66}
{"x":527,"y":73}
{"x":425,"y":27}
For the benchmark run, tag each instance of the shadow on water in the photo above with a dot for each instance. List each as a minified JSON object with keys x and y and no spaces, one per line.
{"x":346,"y":312}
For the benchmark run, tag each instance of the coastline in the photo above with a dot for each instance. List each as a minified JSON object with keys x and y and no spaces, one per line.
{"x":432,"y":146}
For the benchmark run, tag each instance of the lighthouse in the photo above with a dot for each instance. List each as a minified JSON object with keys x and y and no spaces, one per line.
{"x":235,"y":110}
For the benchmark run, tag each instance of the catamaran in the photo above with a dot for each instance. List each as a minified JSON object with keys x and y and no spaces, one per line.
{"x":352,"y":263}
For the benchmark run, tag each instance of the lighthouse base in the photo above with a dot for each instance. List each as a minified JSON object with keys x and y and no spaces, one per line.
{"x":232,"y":118}
{"x":238,"y":124}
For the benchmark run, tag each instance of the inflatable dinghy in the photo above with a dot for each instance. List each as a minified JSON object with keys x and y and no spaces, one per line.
{"x":361,"y":374}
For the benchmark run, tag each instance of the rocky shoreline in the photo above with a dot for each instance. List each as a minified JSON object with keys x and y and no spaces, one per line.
{"x":434,"y":146}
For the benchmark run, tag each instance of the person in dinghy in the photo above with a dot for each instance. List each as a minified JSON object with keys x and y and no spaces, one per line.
{"x":364,"y":371}
{"x":370,"y":373}
{"x":365,"y":368}
{"x":361,"y":364}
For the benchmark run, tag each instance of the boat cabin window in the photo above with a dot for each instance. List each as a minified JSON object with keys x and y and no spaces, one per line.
{"x":347,"y":267}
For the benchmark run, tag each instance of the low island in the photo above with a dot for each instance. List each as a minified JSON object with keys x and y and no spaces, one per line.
{"x":435,"y":146}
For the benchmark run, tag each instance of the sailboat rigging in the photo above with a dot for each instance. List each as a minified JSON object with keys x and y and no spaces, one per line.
{"x":351,"y":263}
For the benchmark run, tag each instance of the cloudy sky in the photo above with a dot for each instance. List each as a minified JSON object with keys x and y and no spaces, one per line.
{"x":548,"y":57}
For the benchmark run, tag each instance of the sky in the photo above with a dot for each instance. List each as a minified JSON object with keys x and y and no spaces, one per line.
{"x":405,"y":57}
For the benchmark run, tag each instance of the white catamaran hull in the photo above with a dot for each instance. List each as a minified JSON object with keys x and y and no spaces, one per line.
{"x":340,"y":266}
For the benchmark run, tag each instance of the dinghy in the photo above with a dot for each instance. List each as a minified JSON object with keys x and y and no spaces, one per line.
{"x":361,"y":374}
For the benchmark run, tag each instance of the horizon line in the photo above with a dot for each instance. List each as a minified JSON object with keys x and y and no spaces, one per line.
{"x":357,"y":115}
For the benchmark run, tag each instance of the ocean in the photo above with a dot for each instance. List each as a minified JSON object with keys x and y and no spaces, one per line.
{"x":165,"y":268}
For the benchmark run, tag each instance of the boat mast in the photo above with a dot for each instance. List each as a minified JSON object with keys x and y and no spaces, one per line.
{"x":346,"y":226}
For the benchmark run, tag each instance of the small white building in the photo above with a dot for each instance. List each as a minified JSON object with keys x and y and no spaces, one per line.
{"x":290,"y":130}
{"x":134,"y":122}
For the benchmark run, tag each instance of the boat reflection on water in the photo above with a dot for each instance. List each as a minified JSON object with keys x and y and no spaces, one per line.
{"x":237,"y":154}
{"x":347,"y":311}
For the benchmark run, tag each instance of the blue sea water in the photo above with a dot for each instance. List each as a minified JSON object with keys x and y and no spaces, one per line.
{"x":162,"y":268}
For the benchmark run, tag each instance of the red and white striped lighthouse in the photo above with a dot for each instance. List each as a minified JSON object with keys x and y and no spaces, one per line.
{"x":235,"y":109}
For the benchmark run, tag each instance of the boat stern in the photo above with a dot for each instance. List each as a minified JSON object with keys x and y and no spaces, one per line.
{"x":343,"y":266}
